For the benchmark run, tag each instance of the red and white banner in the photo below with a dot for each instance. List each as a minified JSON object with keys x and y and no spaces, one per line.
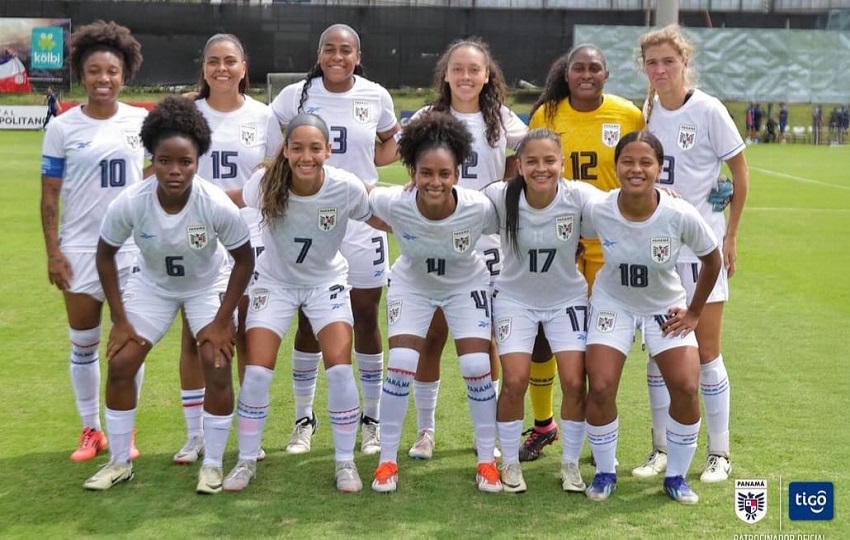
{"x":13,"y":75}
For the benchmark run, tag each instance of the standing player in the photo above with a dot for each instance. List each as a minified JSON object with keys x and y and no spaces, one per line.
{"x":357,"y":112}
{"x":437,"y":225}
{"x":53,"y":107}
{"x":698,"y":136}
{"x":573,"y":105}
{"x":642,"y":231}
{"x":472,"y":88}
{"x":90,"y":155}
{"x":178,"y":221}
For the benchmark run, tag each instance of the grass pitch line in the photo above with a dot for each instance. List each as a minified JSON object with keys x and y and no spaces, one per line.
{"x":799,"y":178}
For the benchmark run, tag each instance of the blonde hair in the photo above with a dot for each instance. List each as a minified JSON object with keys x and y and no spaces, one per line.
{"x":672,"y":35}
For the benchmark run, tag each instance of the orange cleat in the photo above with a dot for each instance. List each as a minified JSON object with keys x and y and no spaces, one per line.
{"x":91,"y":442}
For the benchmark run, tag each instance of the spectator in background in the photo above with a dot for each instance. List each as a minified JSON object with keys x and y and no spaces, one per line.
{"x":769,"y":131}
{"x":817,"y":124}
{"x":750,"y":122}
{"x":835,"y":126}
{"x":783,"y":121}
{"x":53,"y":107}
{"x":757,"y":116}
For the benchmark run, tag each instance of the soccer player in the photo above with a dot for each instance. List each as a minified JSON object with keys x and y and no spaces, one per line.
{"x":305,"y":206}
{"x":244,"y":134}
{"x":470,"y":85}
{"x":540,"y":222}
{"x":357,"y":112}
{"x":53,"y":106}
{"x":437,"y":226}
{"x":643,"y":230}
{"x":178,"y":221}
{"x":698,"y":136}
{"x":573,"y":105}
{"x":90,"y":155}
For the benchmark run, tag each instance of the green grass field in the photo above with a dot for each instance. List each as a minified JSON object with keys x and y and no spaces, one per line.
{"x":785,"y":343}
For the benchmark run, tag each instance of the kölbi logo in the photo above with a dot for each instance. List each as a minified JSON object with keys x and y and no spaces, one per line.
{"x":750,"y":500}
{"x":47,"y":50}
{"x":811,"y":501}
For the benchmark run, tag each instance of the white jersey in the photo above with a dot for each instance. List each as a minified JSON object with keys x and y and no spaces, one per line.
{"x":640,"y":257}
{"x":354,"y":118}
{"x":697,"y":138}
{"x":180,"y":253}
{"x":542,"y":273}
{"x":96,"y":160}
{"x":437,"y":258}
{"x":302,"y":249}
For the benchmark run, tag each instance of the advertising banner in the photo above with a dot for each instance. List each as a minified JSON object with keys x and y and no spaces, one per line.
{"x":34,"y":54}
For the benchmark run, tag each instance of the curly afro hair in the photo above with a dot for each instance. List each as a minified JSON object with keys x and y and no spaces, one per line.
{"x":176,"y":116}
{"x":105,"y":36}
{"x":434,"y":130}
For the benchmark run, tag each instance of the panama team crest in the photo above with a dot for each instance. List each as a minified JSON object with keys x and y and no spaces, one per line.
{"x":564,"y":227}
{"x":198,"y":237}
{"x":610,"y":135}
{"x":393,"y":311}
{"x":461,"y":240}
{"x":248,"y":134}
{"x":503,"y":329}
{"x":133,"y":140}
{"x":259,"y":299}
{"x":605,"y":321}
{"x":362,"y":111}
{"x":661,"y":248}
{"x":327,"y":219}
{"x":687,"y":136}
{"x":750,"y":500}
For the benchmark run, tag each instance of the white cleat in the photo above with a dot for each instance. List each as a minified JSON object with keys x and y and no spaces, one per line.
{"x":512,"y":479}
{"x":301,"y":439}
{"x":571,"y":479}
{"x":209,"y":480}
{"x":191,"y":451}
{"x":347,"y":477}
{"x":423,"y":448}
{"x":654,"y":464}
{"x":717,"y":469}
{"x":240,"y":476}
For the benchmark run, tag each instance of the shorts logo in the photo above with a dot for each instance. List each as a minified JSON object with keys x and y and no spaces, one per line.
{"x":362,"y":111}
{"x":610,"y":135}
{"x":133,"y":139}
{"x":687,"y":135}
{"x":503,"y":329}
{"x":327,"y":219}
{"x":259,"y":299}
{"x":198,"y":237}
{"x":750,"y":500}
{"x":461,"y":240}
{"x":248,"y":134}
{"x":660,"y":249}
{"x":394,"y":311}
{"x":811,"y":501}
{"x":564,"y":227}
{"x":605,"y":321}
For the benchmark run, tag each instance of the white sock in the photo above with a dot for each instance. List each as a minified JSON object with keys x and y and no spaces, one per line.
{"x":193,"y":409}
{"x":216,"y":431}
{"x":119,"y":429}
{"x":475,"y":368}
{"x":659,"y":403}
{"x":343,"y":409}
{"x":572,"y":438}
{"x":371,"y":368}
{"x":603,"y":444}
{"x":714,"y":384}
{"x":139,"y":379}
{"x":510,"y":434}
{"x":425,"y":400}
{"x":401,"y":368}
{"x":85,"y":375}
{"x":252,"y":410}
{"x":305,"y":370}
{"x":681,"y":445}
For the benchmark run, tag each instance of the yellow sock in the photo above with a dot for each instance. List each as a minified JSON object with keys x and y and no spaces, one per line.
{"x":541,"y":390}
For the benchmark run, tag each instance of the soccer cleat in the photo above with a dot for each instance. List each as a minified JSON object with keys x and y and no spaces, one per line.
{"x":134,"y":452}
{"x":240,"y":476}
{"x":532,"y":448}
{"x":571,"y":478}
{"x":677,"y":488}
{"x":487,"y":476}
{"x":370,"y":436}
{"x":655,"y":463}
{"x":603,"y":485}
{"x":512,"y":480}
{"x":386,"y":477}
{"x":347,"y":477}
{"x":91,"y":442}
{"x":301,"y":439}
{"x":717,"y":469}
{"x":209,"y":480}
{"x":109,"y":475}
{"x":423,"y":448}
{"x":191,"y":451}
{"x":261,"y":455}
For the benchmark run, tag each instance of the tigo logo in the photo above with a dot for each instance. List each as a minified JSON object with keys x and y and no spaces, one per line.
{"x":47,"y":48}
{"x":812,"y":501}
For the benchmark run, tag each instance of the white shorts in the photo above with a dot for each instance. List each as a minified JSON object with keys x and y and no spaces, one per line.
{"x":86,"y":281}
{"x":272,"y":306}
{"x":689,"y":272}
{"x":515,"y":326}
{"x":151,"y":314}
{"x":611,"y":324}
{"x":367,"y":252}
{"x":467,"y":313}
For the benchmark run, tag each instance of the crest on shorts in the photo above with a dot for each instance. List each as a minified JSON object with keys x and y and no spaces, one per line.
{"x":750,"y":500}
{"x":564,"y":227}
{"x":393,"y":311}
{"x":198,"y":236}
{"x":687,"y":136}
{"x":362,"y":111}
{"x":503,"y":329}
{"x":661,"y":248}
{"x":259,"y":299}
{"x":327,"y":219}
{"x":133,"y":139}
{"x":248,"y":134}
{"x":610,"y":135}
{"x":605,"y":321}
{"x":461,"y":240}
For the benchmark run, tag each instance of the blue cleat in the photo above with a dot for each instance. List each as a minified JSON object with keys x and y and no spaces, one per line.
{"x":677,"y":488}
{"x":602,"y":487}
